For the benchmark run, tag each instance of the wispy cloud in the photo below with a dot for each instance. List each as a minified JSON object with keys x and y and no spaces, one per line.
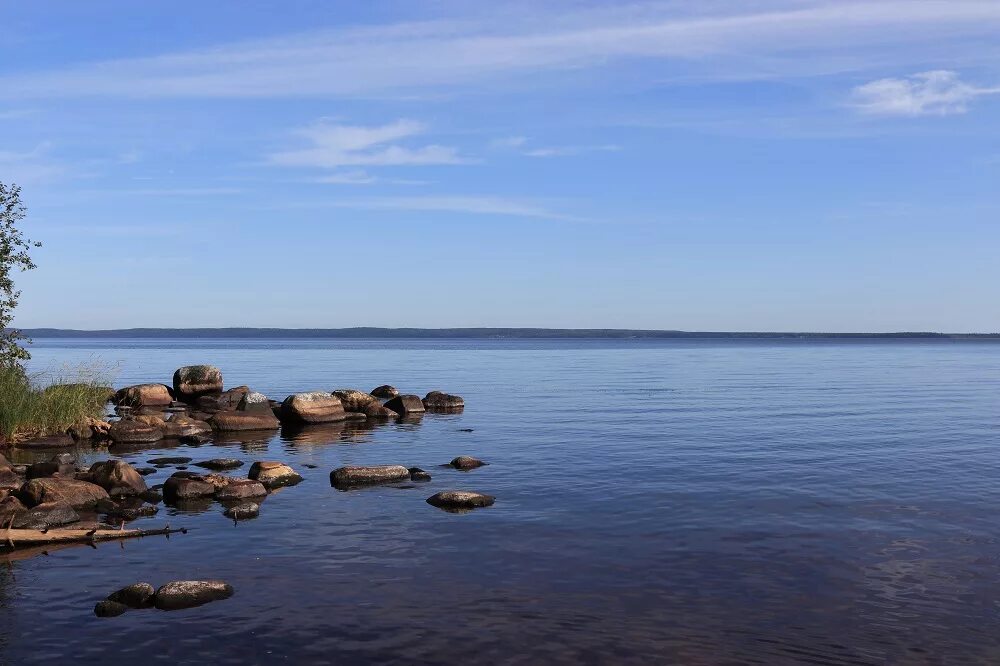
{"x":766,"y":37}
{"x":522,"y":145}
{"x":474,"y":205}
{"x":332,"y":146}
{"x":31,"y":166}
{"x":934,"y":93}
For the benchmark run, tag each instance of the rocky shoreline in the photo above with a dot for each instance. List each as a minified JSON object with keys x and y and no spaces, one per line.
{"x":196,"y":409}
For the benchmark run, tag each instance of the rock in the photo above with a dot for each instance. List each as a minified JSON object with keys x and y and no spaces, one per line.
{"x":63,"y":459}
{"x":45,"y":469}
{"x":58,"y":490}
{"x":109,"y":608}
{"x":356,"y":401}
{"x":254,"y":402}
{"x":136,"y":595}
{"x":193,"y":381}
{"x":380,"y":412}
{"x":130,"y":508}
{"x":460,"y":499}
{"x":155,"y":420}
{"x":466,"y":463}
{"x":239,"y":489}
{"x":169,"y":460}
{"x":313,"y":407}
{"x":179,"y":488}
{"x":385,"y":391}
{"x":230,"y":421}
{"x":134,"y":432}
{"x":10,"y":506}
{"x":182,"y":425}
{"x":9,"y":479}
{"x":417,"y":474}
{"x":117,"y":477}
{"x":273,"y":474}
{"x":349,"y":477}
{"x":47,"y":442}
{"x":146,"y":471}
{"x":225,"y":401}
{"x":219,"y":481}
{"x":190,"y":593}
{"x":243,"y":511}
{"x":44,"y":516}
{"x":220,"y":464}
{"x":354,"y":416}
{"x":438,"y":401}
{"x":194,"y":440}
{"x":406,"y":404}
{"x":143,"y":395}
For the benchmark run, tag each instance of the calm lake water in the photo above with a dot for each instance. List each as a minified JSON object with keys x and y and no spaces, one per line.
{"x":696,"y":502}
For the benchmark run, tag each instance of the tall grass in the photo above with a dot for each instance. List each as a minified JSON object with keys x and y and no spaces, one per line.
{"x":32,"y":406}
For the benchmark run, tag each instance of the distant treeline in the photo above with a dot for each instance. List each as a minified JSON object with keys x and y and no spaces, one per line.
{"x":523,"y":333}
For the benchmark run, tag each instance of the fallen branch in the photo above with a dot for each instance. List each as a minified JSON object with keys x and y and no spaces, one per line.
{"x":21,"y":538}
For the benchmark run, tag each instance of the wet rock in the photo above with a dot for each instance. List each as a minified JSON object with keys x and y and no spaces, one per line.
{"x":417,"y":474}
{"x":438,"y":401}
{"x":380,"y":412}
{"x":385,"y":391}
{"x":220,"y":464}
{"x":109,"y":608}
{"x":146,"y":471}
{"x":193,"y":381}
{"x":134,"y":432}
{"x":406,"y":404}
{"x":47,"y":442}
{"x":460,"y":499}
{"x":117,"y":477}
{"x":239,"y":489}
{"x":182,"y":425}
{"x":143,"y":395}
{"x":354,"y":416}
{"x":179,"y":488}
{"x":466,"y":430}
{"x":169,"y":460}
{"x":194,"y":440}
{"x":45,"y":516}
{"x":243,"y":511}
{"x":58,"y":490}
{"x":313,"y":407}
{"x":190,"y":593}
{"x":127,"y":509}
{"x":349,"y":477}
{"x":153,"y":496}
{"x":273,"y":474}
{"x":231,"y":421}
{"x":466,"y":463}
{"x":136,"y":595}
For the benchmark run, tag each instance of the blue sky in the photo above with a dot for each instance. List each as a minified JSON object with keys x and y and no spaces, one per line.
{"x":752,"y":165}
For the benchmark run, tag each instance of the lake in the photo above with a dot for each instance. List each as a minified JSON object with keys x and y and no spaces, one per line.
{"x":696,"y":502}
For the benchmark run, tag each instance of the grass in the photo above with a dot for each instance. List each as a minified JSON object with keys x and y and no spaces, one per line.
{"x":39,"y":405}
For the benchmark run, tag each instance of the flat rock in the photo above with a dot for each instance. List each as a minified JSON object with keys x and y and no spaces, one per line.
{"x":460,"y":499}
{"x":48,"y":442}
{"x":243,"y":511}
{"x":239,"y":489}
{"x":136,"y":595}
{"x":182,"y":425}
{"x":232,"y":421}
{"x":273,"y":474}
{"x":349,"y":477}
{"x":180,"y":594}
{"x":220,"y":464}
{"x":169,"y":460}
{"x":56,"y":490}
{"x":131,"y":431}
{"x":44,"y":516}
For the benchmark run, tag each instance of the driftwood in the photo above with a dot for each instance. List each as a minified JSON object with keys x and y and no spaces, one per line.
{"x":11,"y":539}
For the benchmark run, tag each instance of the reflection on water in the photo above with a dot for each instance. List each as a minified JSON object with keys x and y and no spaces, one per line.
{"x":681,"y":502}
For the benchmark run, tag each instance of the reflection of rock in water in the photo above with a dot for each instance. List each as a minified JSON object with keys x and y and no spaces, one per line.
{"x":327,"y":433}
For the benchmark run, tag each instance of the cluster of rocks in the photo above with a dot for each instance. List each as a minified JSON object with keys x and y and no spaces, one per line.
{"x":241,"y":496}
{"x":174,"y":595}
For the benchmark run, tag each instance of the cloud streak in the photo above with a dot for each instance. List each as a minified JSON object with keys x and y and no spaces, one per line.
{"x":767,"y":37}
{"x":470,"y":205}
{"x":934,"y":93}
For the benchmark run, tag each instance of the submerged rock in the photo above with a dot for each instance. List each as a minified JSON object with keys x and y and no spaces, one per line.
{"x":406,"y":404}
{"x":193,"y":381}
{"x":349,"y":477}
{"x":117,"y":477}
{"x":313,"y":407}
{"x":109,"y":608}
{"x":460,"y":499}
{"x":220,"y":464}
{"x":466,"y":463}
{"x":438,"y":401}
{"x":385,"y":391}
{"x":136,"y":595}
{"x":143,"y":395}
{"x":190,"y":593}
{"x":273,"y":474}
{"x":417,"y":474}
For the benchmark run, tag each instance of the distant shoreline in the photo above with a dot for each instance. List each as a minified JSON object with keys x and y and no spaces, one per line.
{"x":481,"y":333}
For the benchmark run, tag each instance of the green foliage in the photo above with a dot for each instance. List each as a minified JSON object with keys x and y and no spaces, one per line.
{"x":29,"y":409}
{"x":14,"y":255}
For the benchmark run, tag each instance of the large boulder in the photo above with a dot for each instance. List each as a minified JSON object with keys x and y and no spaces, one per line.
{"x":385,"y":391}
{"x":312,"y":407}
{"x":190,"y":593}
{"x":460,"y":499}
{"x":349,"y":477}
{"x":182,"y":425}
{"x":193,"y":381}
{"x":355,"y":401}
{"x":182,"y":488}
{"x":117,"y":477}
{"x":58,"y":490}
{"x":273,"y":474}
{"x":406,"y":404}
{"x":44,"y":516}
{"x":233,"y":421}
{"x":443,"y":402}
{"x":228,"y":399}
{"x":143,"y":395}
{"x":131,"y":431}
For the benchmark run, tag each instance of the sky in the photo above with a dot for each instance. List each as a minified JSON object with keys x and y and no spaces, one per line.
{"x":751,"y":165}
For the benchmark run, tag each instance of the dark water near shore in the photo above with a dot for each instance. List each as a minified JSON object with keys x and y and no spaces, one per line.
{"x":694,"y":502}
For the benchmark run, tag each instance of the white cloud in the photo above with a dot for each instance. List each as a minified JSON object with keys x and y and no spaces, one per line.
{"x":333,"y":146}
{"x":565,"y":151}
{"x":935,"y":93}
{"x":476,"y":205}
{"x":765,"y":38}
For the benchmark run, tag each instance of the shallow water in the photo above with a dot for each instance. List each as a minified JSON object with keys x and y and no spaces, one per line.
{"x":657,"y":501}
